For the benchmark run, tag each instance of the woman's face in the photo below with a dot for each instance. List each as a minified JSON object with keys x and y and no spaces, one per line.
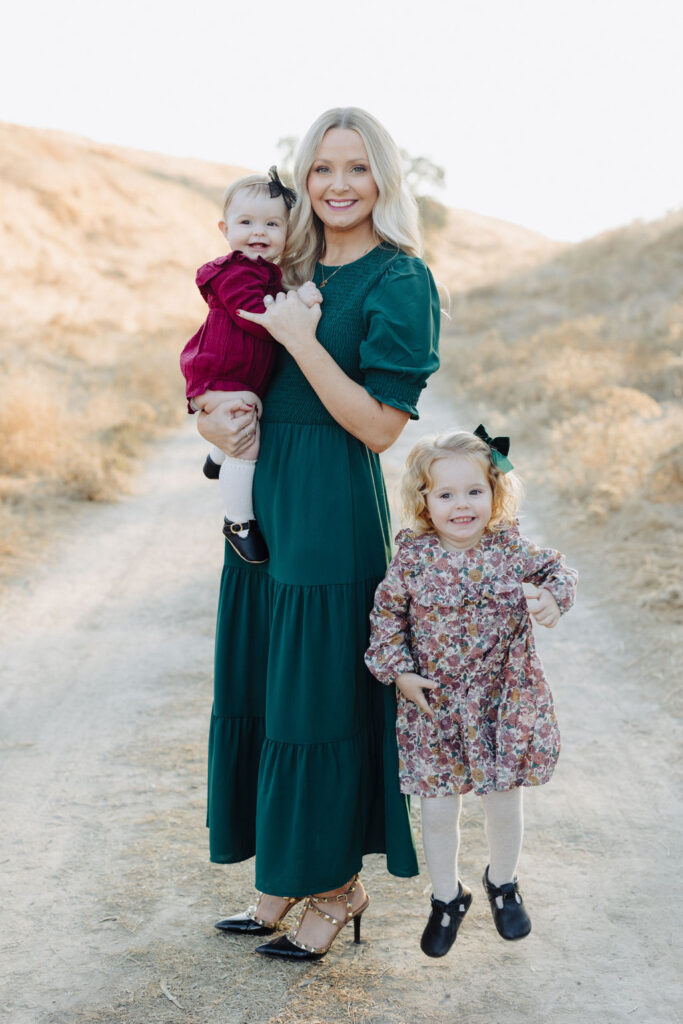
{"x":340,"y":184}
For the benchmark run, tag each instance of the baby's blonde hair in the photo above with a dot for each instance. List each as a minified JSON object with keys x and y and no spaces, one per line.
{"x":255,"y":183}
{"x":506,"y":488}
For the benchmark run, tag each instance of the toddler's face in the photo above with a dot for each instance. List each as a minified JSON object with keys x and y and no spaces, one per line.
{"x":460,"y":501}
{"x":256,"y":224}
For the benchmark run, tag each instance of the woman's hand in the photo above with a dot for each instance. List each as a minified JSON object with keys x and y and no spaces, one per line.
{"x":542,"y":606}
{"x":412,"y":687}
{"x":287,"y":319}
{"x":231,"y":426}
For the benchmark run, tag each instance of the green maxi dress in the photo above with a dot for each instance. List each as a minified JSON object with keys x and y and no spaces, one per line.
{"x":303,"y":768}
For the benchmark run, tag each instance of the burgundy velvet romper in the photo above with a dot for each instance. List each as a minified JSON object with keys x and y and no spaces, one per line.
{"x":229,"y":353}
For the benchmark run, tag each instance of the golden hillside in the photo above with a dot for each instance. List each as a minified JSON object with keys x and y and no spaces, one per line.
{"x":573,"y":347}
{"x":99,"y":249}
{"x":475,"y":250}
{"x":580,"y":358}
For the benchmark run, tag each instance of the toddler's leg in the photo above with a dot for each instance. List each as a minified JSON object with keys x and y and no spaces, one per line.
{"x":450,"y":899}
{"x":504,"y":831}
{"x":441,"y":839}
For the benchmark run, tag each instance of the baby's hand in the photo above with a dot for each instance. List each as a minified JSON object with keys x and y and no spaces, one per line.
{"x":542,"y":606}
{"x":309,"y":294}
{"x":412,"y":687}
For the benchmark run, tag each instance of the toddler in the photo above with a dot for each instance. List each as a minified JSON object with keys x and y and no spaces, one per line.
{"x":230,"y":358}
{"x":451,"y":628}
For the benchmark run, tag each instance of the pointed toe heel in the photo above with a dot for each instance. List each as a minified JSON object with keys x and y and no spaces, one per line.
{"x":250,"y":923}
{"x":288,"y":947}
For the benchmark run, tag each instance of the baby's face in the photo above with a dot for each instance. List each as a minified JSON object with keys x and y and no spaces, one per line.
{"x":256,"y":224}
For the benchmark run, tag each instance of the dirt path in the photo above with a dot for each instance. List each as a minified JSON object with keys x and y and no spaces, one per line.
{"x":108,"y":897}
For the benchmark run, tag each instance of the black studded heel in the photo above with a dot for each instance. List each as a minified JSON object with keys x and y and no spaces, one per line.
{"x":288,"y":947}
{"x":250,"y":923}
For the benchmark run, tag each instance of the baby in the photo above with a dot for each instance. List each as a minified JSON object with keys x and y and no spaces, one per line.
{"x":230,"y":358}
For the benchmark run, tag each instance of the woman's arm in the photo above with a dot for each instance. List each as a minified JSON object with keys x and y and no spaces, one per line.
{"x":293,"y":324}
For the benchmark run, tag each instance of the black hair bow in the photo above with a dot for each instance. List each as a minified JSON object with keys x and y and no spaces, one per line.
{"x":277,"y":188}
{"x":500,"y":446}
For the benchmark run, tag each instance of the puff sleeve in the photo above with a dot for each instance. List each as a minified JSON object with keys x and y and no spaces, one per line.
{"x":401,"y":320}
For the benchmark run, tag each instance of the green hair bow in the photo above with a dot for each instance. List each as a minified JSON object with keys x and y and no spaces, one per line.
{"x":500,"y":446}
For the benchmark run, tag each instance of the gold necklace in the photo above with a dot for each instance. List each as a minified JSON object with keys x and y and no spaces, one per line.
{"x":324,"y":280}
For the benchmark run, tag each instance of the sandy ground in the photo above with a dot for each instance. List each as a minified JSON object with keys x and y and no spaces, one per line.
{"x":108,"y":899}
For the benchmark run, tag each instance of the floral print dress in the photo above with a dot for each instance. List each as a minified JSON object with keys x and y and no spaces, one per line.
{"x":460,"y":619}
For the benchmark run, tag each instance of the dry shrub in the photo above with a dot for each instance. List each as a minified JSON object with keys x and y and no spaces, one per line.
{"x":664,"y":483}
{"x":33,"y":424}
{"x":611,"y":447}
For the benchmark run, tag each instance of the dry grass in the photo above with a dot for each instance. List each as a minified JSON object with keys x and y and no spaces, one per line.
{"x":579,"y":360}
{"x":99,"y":250}
{"x":573,"y":349}
{"x":97,"y":286}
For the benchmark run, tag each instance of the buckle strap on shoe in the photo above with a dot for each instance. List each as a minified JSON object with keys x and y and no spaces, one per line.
{"x":310,"y":904}
{"x":251,"y":911}
{"x":501,"y":893}
{"x":456,"y":905}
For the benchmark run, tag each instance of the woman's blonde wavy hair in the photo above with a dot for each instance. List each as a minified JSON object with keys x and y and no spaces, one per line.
{"x":394,"y":216}
{"x":506,"y":488}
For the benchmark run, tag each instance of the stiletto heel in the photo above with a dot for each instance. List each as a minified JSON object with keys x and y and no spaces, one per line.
{"x":288,"y":947}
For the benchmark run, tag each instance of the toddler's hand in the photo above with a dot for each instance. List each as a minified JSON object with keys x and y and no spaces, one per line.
{"x":412,"y":687}
{"x":309,"y":294}
{"x":542,"y":606}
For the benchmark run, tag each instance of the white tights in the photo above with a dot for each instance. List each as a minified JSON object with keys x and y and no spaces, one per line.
{"x":441,"y":838}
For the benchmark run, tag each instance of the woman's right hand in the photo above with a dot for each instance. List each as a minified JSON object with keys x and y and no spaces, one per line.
{"x":231,"y":426}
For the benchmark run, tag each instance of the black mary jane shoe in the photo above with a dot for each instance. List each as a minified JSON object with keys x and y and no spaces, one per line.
{"x":437,"y":938}
{"x":242,"y":924}
{"x":252,"y":547}
{"x":507,"y":907}
{"x":211,"y":469}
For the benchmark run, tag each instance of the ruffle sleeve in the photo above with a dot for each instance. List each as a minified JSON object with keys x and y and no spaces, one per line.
{"x":547,"y":568}
{"x":389,"y":652}
{"x":241,"y":283}
{"x":400,"y":348}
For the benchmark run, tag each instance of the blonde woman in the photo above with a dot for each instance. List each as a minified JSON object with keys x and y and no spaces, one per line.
{"x":302,"y":757}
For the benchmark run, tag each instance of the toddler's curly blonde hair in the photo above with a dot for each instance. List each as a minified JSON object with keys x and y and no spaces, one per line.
{"x":506,"y":488}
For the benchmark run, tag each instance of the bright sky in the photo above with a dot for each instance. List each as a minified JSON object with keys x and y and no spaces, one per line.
{"x":561,"y":115}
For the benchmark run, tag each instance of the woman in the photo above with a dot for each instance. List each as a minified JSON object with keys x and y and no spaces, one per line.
{"x":302,"y":753}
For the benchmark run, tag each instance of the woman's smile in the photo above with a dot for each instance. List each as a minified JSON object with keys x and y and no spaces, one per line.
{"x":341,"y":186}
